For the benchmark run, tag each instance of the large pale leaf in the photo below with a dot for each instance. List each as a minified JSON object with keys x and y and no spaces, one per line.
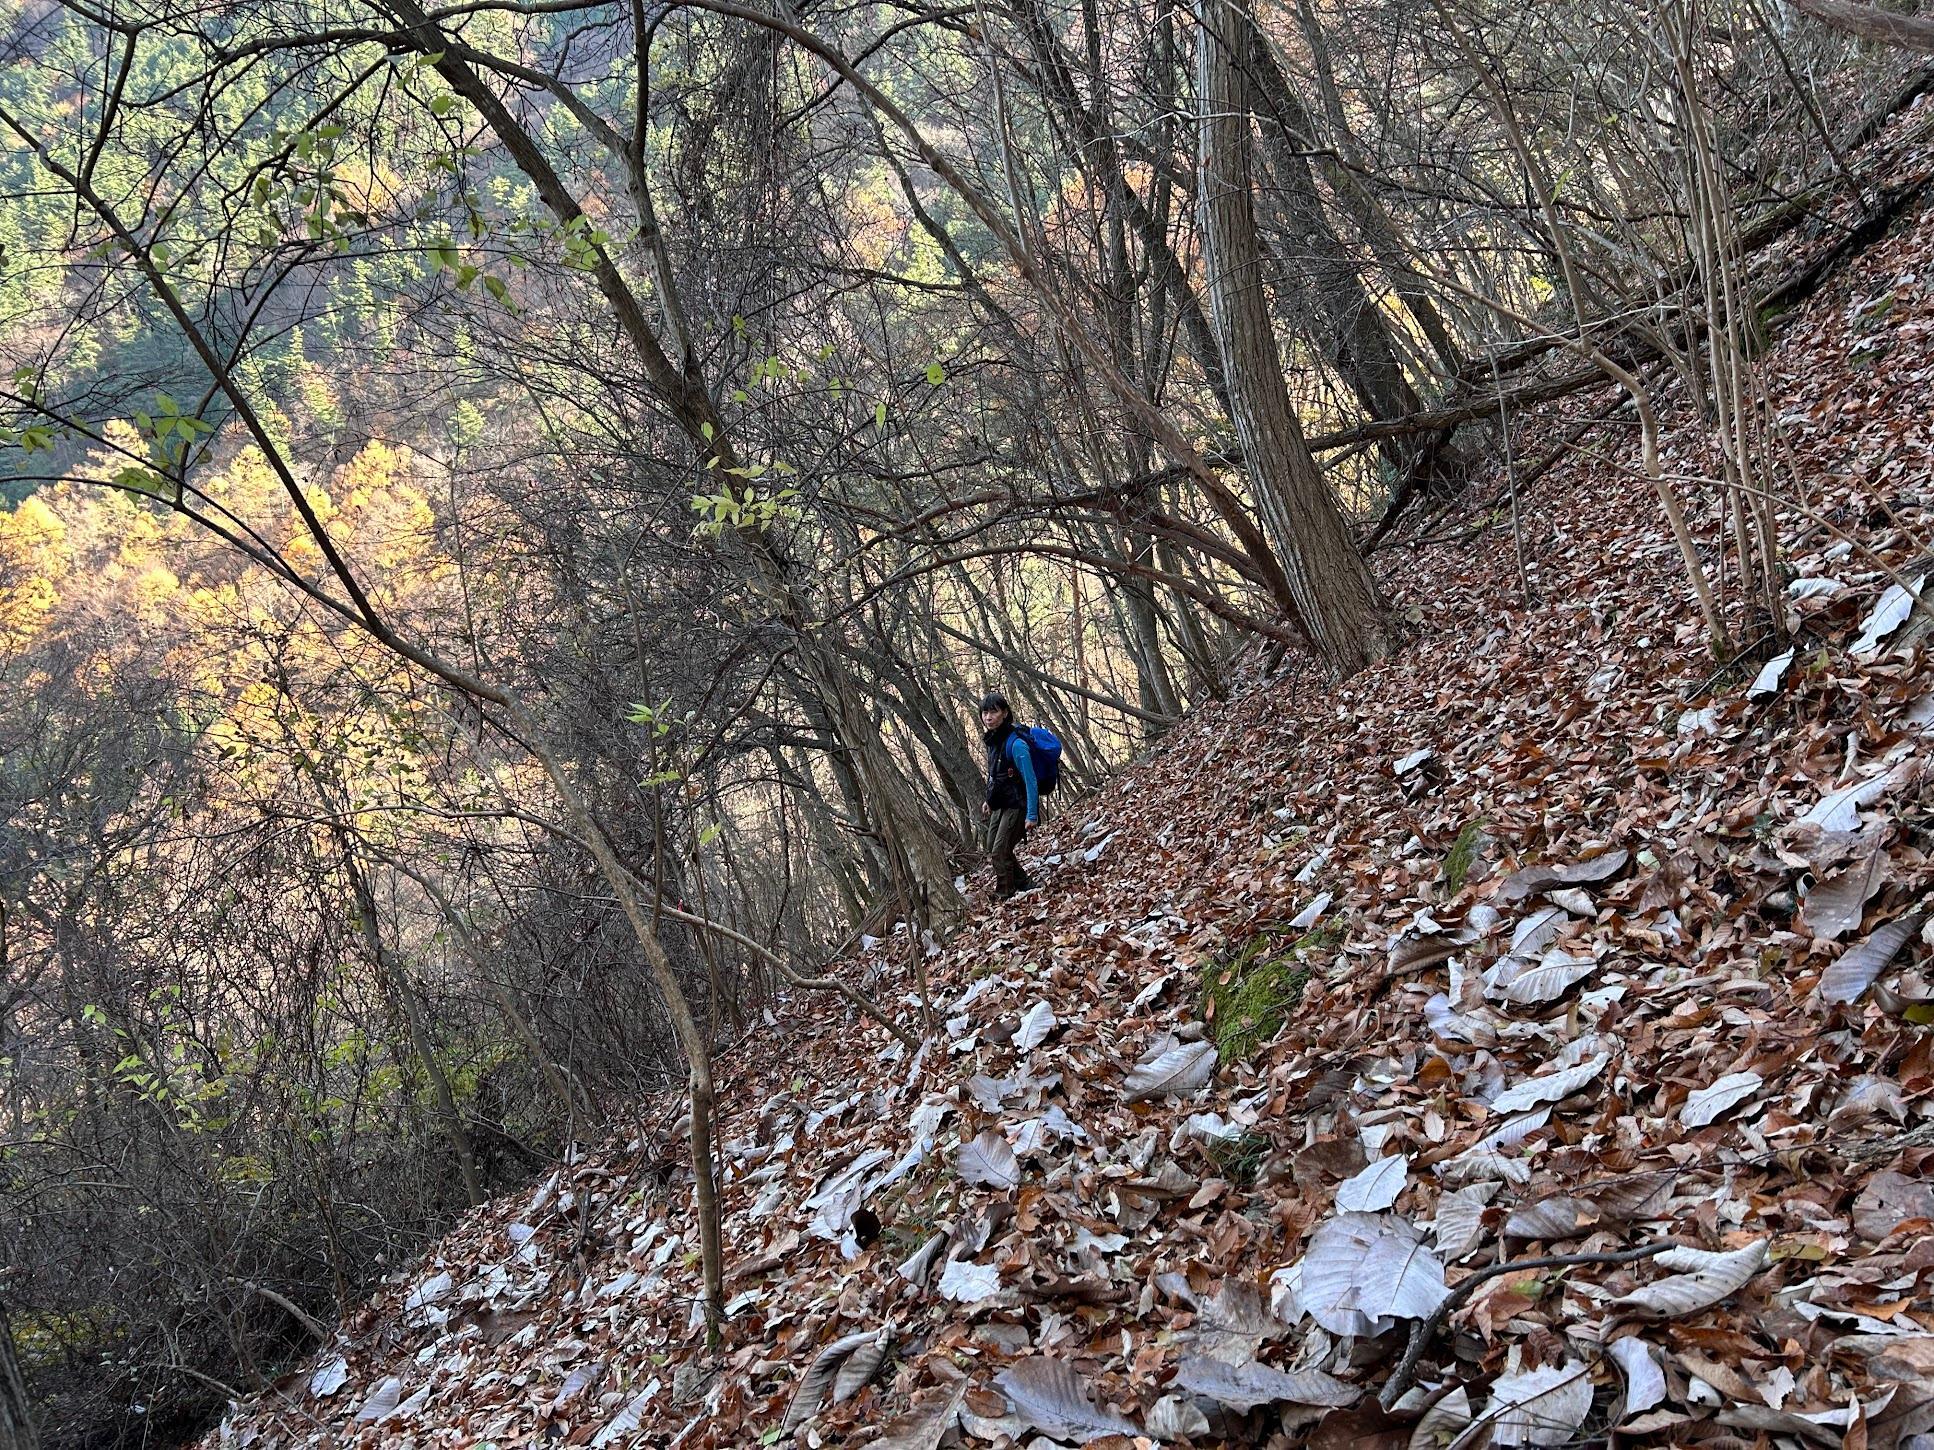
{"x":1767,"y":681}
{"x":1888,"y":615}
{"x":821,"y":1374}
{"x":925,"y":1427}
{"x":1181,"y":1069}
{"x":1233,"y":1321}
{"x":1554,"y":976}
{"x":1542,"y":1406}
{"x":432,"y":1289}
{"x":1243,"y":1387}
{"x":1857,"y":967}
{"x":1309,"y":915}
{"x":1534,"y":879}
{"x":1707,"y":1103}
{"x":989,"y":1160}
{"x":1447,"y":1023}
{"x":329,"y":1378}
{"x":1536,"y":931}
{"x":1644,"y":1380}
{"x":919,"y":1264}
{"x":1443,"y":1422}
{"x":1836,"y":905}
{"x":382,"y":1402}
{"x":1174,"y":1418}
{"x":990,"y":1094}
{"x":1362,"y":1268}
{"x":1460,"y":1219}
{"x":966,"y":1282}
{"x":1375,"y":1188}
{"x":832,"y":1204}
{"x":1050,"y":1396}
{"x":1492,"y":1156}
{"x":1705,"y":1279}
{"x":627,"y":1422}
{"x":860,"y":1367}
{"x":1551,"y":1219}
{"x":1839,"y":810}
{"x":1036,"y":1023}
{"x":1550,"y":1088}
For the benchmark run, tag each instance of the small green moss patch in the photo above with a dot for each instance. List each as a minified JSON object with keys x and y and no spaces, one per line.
{"x":1248,"y":995}
{"x":1239,"y":1158}
{"x":1462,"y":856}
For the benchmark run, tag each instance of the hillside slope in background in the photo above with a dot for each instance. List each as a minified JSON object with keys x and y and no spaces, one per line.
{"x":1528,"y":1039}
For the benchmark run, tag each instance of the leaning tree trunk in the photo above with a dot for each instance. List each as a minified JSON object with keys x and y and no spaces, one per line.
{"x":16,"y":1420}
{"x":1327,"y":578}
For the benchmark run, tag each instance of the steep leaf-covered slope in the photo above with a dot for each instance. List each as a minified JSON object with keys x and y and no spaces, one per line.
{"x":1529,"y":1038}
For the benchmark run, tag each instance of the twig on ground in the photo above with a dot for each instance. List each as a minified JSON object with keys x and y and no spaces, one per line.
{"x":1425,"y":1330}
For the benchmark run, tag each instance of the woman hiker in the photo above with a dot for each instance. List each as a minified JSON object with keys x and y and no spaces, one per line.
{"x":1013,"y":801}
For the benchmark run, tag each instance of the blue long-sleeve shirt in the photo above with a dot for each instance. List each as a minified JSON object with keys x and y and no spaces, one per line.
{"x":1012,"y":751}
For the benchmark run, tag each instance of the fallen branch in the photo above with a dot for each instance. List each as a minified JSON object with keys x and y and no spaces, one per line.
{"x":1870,"y":22}
{"x":295,"y":1311}
{"x":1425,"y":1330}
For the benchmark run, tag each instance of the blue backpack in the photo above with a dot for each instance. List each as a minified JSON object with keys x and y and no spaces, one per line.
{"x":1045,"y":749}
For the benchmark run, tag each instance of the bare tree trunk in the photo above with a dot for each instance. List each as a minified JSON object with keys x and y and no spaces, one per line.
{"x":1372,"y":222}
{"x":16,"y":1415}
{"x":1327,"y":577}
{"x":1355,"y":338}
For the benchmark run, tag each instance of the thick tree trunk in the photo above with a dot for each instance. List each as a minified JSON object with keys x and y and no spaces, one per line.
{"x":16,"y":1417}
{"x":1364,"y":211}
{"x":1356,"y":340}
{"x":1307,"y":531}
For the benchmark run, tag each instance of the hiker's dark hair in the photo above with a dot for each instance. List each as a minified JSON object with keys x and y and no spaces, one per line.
{"x":995,"y":700}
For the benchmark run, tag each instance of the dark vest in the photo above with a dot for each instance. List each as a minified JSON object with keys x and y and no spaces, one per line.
{"x":1005,"y":789}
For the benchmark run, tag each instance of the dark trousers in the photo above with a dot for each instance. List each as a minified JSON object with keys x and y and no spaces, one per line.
{"x":1009,"y":875}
